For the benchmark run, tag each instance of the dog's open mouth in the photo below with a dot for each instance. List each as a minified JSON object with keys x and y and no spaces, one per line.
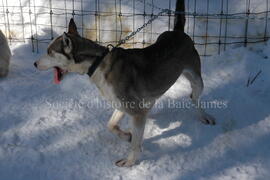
{"x":58,"y":74}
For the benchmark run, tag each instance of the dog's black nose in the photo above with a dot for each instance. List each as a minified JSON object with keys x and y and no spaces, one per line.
{"x":35,"y":64}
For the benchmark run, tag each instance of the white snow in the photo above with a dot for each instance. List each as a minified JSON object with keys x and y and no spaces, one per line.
{"x":59,"y":132}
{"x":52,"y":131}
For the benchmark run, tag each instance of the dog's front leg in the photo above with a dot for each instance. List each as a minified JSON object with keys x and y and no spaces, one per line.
{"x":114,"y":128}
{"x":138,"y":122}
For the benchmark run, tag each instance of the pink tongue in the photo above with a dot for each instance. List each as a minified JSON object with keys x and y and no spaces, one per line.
{"x":56,"y":77}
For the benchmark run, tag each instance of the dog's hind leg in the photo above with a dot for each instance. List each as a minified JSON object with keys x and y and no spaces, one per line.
{"x":196,"y":83}
{"x":138,"y":122}
{"x":114,"y":128}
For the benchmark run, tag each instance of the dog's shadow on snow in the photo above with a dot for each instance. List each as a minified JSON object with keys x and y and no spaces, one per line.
{"x":237,"y":115}
{"x":186,"y":125}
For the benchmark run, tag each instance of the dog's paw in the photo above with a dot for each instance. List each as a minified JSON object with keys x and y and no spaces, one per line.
{"x":124,"y":163}
{"x":207,"y":119}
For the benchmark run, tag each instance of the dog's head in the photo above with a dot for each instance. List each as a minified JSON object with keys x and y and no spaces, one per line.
{"x":69,"y":53}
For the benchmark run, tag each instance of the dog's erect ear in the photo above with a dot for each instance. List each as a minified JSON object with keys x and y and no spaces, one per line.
{"x":72,"y":28}
{"x":67,"y":43}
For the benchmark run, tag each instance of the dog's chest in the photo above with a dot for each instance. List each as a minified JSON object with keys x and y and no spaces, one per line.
{"x":106,"y":89}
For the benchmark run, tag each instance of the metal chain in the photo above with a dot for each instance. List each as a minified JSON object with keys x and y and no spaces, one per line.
{"x":123,"y":41}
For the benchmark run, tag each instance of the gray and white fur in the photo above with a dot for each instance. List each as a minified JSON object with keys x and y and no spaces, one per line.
{"x":133,"y":78}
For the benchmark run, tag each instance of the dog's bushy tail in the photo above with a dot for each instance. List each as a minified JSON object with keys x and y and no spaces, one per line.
{"x":180,"y":19}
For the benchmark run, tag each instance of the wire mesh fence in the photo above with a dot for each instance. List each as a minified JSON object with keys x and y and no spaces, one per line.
{"x":212,"y":24}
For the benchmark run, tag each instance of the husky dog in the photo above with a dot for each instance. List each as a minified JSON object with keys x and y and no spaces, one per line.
{"x":131,"y":78}
{"x":5,"y":55}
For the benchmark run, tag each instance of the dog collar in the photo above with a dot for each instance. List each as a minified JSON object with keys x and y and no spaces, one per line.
{"x":96,"y":63}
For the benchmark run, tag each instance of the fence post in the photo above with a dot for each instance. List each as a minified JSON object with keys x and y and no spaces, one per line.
{"x":194,"y":19}
{"x":133,"y":26}
{"x":96,"y":19}
{"x":206,"y":29}
{"x":73,"y":9}
{"x":31,"y":28}
{"x":51,"y":13}
{"x":169,"y":14}
{"x":226,"y":24}
{"x":21,"y":8}
{"x":82,"y":14}
{"x":36,"y":31}
{"x":152,"y":14}
{"x":120,"y":18}
{"x":4,"y":14}
{"x":220,"y":26}
{"x":9,"y":32}
{"x":266,"y":21}
{"x":247,"y":22}
{"x":66,"y":15}
{"x":144,"y":16}
{"x":187,"y":16}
